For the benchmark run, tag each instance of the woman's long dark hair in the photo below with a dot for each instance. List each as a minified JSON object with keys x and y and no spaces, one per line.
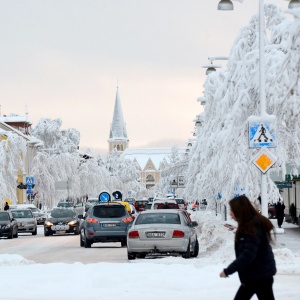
{"x":248,"y":218}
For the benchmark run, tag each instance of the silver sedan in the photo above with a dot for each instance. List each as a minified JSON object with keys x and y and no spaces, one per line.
{"x":164,"y":232}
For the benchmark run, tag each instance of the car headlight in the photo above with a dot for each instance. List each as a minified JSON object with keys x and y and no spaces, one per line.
{"x":72,"y":223}
{"x":47,"y":223}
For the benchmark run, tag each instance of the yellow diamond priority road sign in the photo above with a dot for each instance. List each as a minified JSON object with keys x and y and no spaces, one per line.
{"x":264,"y":159}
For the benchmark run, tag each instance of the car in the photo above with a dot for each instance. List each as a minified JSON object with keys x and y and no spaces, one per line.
{"x":104,"y":223}
{"x":181,"y":203}
{"x":79,"y":208}
{"x":26,"y":220}
{"x":8,"y":225}
{"x":39,"y":215}
{"x":148,"y":206}
{"x":162,"y":232}
{"x":61,"y":221}
{"x":140,"y":205}
{"x":271,"y":211}
{"x":65,"y":204}
{"x":167,"y":206}
{"x":129,"y":200}
{"x":158,"y":202}
{"x":90,"y":202}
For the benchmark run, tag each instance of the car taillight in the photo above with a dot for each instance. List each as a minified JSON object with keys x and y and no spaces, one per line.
{"x":178,"y":234}
{"x":127,"y":220}
{"x":133,"y":234}
{"x":92,"y":220}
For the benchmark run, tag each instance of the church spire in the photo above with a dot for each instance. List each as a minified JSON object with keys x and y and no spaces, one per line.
{"x":118,"y":134}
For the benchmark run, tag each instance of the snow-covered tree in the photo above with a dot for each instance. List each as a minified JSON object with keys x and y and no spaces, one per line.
{"x":221,"y":161}
{"x":12,"y":153}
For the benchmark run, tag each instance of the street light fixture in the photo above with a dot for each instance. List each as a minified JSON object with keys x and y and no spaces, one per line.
{"x":294,"y":4}
{"x":225,"y":5}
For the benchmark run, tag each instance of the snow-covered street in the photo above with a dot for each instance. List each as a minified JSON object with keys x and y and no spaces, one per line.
{"x":161,"y":278}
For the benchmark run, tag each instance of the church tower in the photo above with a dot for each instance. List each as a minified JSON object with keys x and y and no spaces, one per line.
{"x":118,"y":135}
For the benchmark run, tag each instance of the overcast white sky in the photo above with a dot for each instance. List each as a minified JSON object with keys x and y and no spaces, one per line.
{"x":63,"y":59}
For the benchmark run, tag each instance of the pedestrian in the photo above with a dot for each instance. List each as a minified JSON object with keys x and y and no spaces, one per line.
{"x":6,"y":206}
{"x":279,"y":208}
{"x":254,"y":261}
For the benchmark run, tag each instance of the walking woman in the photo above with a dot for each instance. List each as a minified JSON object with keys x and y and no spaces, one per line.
{"x":254,"y":261}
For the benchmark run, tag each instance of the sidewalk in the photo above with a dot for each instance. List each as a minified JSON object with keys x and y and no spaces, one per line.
{"x":289,"y":238}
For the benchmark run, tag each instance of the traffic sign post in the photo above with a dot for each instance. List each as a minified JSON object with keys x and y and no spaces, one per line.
{"x":117,"y":195}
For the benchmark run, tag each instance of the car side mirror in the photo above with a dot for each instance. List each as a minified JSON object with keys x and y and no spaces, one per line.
{"x":194,"y":224}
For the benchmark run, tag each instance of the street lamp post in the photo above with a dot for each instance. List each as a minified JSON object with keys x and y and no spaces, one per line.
{"x":227,"y":5}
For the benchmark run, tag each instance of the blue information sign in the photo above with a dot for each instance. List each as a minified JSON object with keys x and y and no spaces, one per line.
{"x":104,"y":197}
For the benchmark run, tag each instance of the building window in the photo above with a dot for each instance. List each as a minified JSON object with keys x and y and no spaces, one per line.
{"x":150,"y":178}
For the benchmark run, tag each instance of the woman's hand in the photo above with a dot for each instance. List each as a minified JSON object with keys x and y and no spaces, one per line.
{"x":223,"y":275}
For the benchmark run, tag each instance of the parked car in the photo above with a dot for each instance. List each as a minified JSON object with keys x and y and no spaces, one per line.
{"x":140,"y":205}
{"x":60,"y":221}
{"x":271,"y":211}
{"x":163,"y":231}
{"x":103,"y":223}
{"x":8,"y":225}
{"x":26,"y":220}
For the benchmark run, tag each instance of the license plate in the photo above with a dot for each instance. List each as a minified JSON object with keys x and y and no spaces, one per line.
{"x":155,"y":234}
{"x":109,"y":225}
{"x":61,"y":231}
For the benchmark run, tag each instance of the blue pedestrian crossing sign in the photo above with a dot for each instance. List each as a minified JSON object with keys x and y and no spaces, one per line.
{"x":262,"y":133}
{"x":30,"y":180}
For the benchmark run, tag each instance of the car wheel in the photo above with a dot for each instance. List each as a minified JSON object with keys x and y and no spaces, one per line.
{"x":11,"y":235}
{"x":76,"y":232}
{"x":196,"y":249}
{"x":46,"y":233}
{"x":87,"y":243}
{"x":142,"y":255}
{"x":124,"y":243}
{"x":35,"y":232}
{"x":81,"y":241}
{"x":130,"y":256}
{"x":16,"y":235}
{"x":187,"y":254}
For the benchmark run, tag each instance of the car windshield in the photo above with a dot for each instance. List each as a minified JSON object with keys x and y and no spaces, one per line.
{"x":62,"y":213}
{"x":22,"y":214}
{"x":4,"y":216}
{"x":65,"y":204}
{"x":35,"y":210}
{"x":158,"y":218}
{"x":109,"y":211}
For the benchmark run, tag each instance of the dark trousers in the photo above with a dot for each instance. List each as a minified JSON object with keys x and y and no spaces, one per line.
{"x":263,"y":290}
{"x":279,"y":220}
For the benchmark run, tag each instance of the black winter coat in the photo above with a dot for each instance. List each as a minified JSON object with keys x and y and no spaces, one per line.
{"x":254,"y":258}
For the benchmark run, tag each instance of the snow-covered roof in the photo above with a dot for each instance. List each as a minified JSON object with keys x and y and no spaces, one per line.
{"x":14,"y":119}
{"x":142,"y":155}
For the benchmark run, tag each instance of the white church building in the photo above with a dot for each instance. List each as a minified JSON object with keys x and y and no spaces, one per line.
{"x":149,"y":161}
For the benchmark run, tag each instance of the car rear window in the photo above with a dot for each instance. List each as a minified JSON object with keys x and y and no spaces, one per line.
{"x":139,"y":203}
{"x":158,"y":218}
{"x":109,"y":211}
{"x":65,"y":204}
{"x":169,"y":205}
{"x":179,"y":201}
